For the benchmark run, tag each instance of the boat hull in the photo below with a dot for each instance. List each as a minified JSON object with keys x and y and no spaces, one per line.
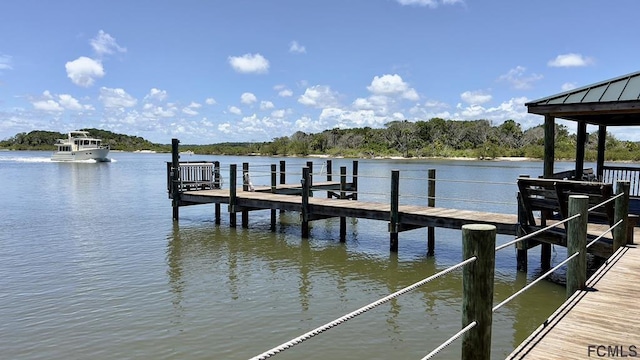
{"x":84,"y":154}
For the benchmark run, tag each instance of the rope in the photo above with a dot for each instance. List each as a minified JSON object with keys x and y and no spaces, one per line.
{"x":604,"y":233}
{"x":535,"y":282}
{"x":319,"y":330}
{"x":460,"y":181}
{"x":451,"y":339}
{"x":525,"y":237}
{"x":604,"y":202}
{"x":462,"y":200}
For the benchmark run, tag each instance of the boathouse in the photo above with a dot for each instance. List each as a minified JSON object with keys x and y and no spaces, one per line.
{"x":614,"y":102}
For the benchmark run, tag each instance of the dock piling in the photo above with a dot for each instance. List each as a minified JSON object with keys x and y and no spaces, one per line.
{"x":175,"y":178}
{"x":478,"y":240}
{"x":577,"y":242}
{"x":394,"y":216}
{"x":305,"y":201}
{"x":431,"y":202}
{"x":233,"y":168}
{"x":343,"y":220}
{"x":621,"y":213}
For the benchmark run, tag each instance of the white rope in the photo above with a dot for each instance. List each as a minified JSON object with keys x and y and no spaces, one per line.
{"x":319,"y":330}
{"x":535,"y":282}
{"x":451,"y":339}
{"x":604,"y":202}
{"x":525,"y":237}
{"x":604,"y":233}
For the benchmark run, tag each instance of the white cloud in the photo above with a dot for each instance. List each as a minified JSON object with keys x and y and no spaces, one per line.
{"x":475,"y":97}
{"x":105,"y":44}
{"x":568,"y":86}
{"x":69,"y":102}
{"x":429,"y":3}
{"x":249,"y":63}
{"x":296,"y":48}
{"x":570,"y":60}
{"x":285,"y":93}
{"x":59,"y":103}
{"x":234,"y":110}
{"x":83,"y":71}
{"x":210,"y":101}
{"x":392,"y":85}
{"x":5,"y":62}
{"x":318,"y":96}
{"x":156,"y":95}
{"x":518,"y":78}
{"x":116,"y":98}
{"x":248,"y":98}
{"x":191,"y":109}
{"x":225,"y":128}
{"x":266,"y":105}
{"x":47,"y":105}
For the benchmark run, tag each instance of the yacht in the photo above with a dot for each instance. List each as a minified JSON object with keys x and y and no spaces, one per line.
{"x":79,"y":146}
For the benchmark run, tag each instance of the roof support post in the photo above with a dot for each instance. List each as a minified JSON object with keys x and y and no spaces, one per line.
{"x":580,"y":145}
{"x":549,"y":144}
{"x":602,"y":140}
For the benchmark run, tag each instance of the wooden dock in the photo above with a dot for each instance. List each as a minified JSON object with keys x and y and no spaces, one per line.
{"x":599,"y":322}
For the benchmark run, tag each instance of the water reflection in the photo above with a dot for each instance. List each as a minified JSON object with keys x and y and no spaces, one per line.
{"x":271,"y":274}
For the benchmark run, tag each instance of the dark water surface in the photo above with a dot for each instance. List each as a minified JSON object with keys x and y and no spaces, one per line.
{"x":93,"y":266}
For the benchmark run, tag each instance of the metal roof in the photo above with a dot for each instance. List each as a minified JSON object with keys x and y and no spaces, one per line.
{"x":610,"y":102}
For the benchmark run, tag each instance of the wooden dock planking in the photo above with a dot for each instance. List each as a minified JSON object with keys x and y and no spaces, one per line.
{"x":605,"y":314}
{"x":411,"y":216}
{"x":408,"y":214}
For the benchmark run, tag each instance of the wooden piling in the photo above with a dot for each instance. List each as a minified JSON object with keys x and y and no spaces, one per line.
{"x":175,"y":178}
{"x":621,"y":213}
{"x":245,"y":187}
{"x":216,"y":185}
{"x":394,"y":216}
{"x":305,"y":201}
{"x":310,"y":166}
{"x":329,"y":176}
{"x":431,"y":202}
{"x":577,"y":242}
{"x":283,"y":176}
{"x":233,"y":168}
{"x":521,"y":246}
{"x":478,"y":240}
{"x":354,"y":180}
{"x":343,"y":195}
{"x":273,"y":190}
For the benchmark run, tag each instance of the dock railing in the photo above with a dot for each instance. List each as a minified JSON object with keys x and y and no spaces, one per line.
{"x":611,"y":174}
{"x":195,"y":175}
{"x":478,"y":275}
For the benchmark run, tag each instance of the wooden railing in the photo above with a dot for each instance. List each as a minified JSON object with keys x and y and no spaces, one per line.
{"x":611,"y":174}
{"x":199,"y":175}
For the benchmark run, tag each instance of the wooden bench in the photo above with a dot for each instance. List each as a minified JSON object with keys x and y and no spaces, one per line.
{"x":550,"y":197}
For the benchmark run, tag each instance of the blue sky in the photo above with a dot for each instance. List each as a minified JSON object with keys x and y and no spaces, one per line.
{"x":216,"y":71}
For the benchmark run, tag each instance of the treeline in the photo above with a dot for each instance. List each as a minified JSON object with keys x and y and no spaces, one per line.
{"x":45,"y":140}
{"x":433,"y":138}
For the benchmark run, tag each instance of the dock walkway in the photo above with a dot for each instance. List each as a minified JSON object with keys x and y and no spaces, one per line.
{"x":409,"y":216}
{"x":599,"y":322}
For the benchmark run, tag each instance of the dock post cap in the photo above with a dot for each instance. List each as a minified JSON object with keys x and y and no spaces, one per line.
{"x":479,"y":227}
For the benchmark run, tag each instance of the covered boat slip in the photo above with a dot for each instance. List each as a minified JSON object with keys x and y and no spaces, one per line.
{"x":614,"y":102}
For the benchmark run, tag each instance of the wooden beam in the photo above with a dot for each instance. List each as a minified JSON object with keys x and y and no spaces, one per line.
{"x":549,"y":145}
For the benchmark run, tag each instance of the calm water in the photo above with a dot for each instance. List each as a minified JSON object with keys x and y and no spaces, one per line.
{"x":94,"y":267}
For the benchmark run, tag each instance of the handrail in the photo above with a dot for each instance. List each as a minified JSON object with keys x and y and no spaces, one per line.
{"x":525,"y":237}
{"x":528,"y":286}
{"x":308,"y":335}
{"x":450,"y":340}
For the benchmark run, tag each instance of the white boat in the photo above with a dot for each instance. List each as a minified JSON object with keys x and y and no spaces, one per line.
{"x":79,"y":146}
